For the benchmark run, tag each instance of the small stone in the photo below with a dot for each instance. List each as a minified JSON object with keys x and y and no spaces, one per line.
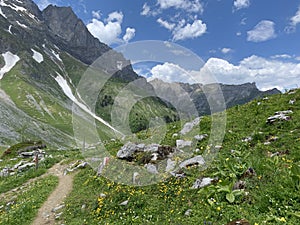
{"x":182,"y":144}
{"x":151,"y":168}
{"x":197,"y":160}
{"x":170,"y":165}
{"x":200,"y":137}
{"x":200,"y":183}
{"x":188,"y":212}
{"x":58,"y":208}
{"x":124,"y":203}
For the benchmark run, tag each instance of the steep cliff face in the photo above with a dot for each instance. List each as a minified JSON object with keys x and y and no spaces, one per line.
{"x":70,"y":34}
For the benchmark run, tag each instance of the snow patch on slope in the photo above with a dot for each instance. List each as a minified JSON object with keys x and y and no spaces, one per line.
{"x":56,"y":55}
{"x":37,"y":56}
{"x":21,"y":24}
{"x":10,"y":61}
{"x":2,"y":14}
{"x":68,"y":92}
{"x":9,"y":29}
{"x":13,"y":6}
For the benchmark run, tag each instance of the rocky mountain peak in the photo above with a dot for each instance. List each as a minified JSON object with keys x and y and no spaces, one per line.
{"x":71,"y":34}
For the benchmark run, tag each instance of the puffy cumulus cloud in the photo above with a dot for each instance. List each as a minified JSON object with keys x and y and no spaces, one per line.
{"x":196,"y":29}
{"x":166,"y":24}
{"x":226,"y":50}
{"x":110,"y":30}
{"x":170,"y":72}
{"x":182,"y":22}
{"x":263,"y":31}
{"x":187,"y":5}
{"x":130,"y":33}
{"x":241,"y":4}
{"x":266,"y":73}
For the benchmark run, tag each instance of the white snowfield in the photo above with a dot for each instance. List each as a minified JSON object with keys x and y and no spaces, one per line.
{"x":10,"y":61}
{"x":68,"y":92}
{"x":37,"y":56}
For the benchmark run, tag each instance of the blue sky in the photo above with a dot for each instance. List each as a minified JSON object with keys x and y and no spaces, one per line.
{"x":239,"y":40}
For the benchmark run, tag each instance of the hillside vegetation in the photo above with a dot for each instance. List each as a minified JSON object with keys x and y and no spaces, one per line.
{"x":269,"y":195}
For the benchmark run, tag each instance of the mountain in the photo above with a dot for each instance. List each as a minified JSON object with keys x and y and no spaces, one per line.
{"x":198,"y":93}
{"x":43,"y":57}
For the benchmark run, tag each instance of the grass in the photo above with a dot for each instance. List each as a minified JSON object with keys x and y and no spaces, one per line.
{"x":24,"y":207}
{"x":270,"y":197}
{"x":8,"y":183}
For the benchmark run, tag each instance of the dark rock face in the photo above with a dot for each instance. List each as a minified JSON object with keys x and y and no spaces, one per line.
{"x":70,"y":34}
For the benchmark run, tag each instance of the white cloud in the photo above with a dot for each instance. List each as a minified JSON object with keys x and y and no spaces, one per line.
{"x":110,"y":30}
{"x":241,"y":4}
{"x":130,"y":33}
{"x":281,"y":56}
{"x":196,"y":29}
{"x":226,"y":50}
{"x":96,"y":14}
{"x":296,"y":18}
{"x":170,"y":72}
{"x":266,"y":73}
{"x":293,"y":22}
{"x":115,"y":17}
{"x":238,"y":33}
{"x":298,"y":58}
{"x":146,"y":10}
{"x":166,"y":24}
{"x":263,"y":31}
{"x":187,"y":5}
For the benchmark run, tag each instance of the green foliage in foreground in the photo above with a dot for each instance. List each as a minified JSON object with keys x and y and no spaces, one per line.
{"x":270,"y":197}
{"x":23,"y":209}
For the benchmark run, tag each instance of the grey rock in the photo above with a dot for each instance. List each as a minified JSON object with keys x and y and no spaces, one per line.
{"x":26,"y":166}
{"x":190,"y":125}
{"x":180,"y":144}
{"x":124,"y":203}
{"x":127,"y":150}
{"x":151,"y":168}
{"x":170,"y":165}
{"x":200,"y":137}
{"x":58,"y":208}
{"x":200,"y":183}
{"x":197,"y":160}
{"x":188,"y":212}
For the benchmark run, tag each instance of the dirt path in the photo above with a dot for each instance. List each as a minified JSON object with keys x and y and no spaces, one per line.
{"x":47,"y":213}
{"x":52,"y":171}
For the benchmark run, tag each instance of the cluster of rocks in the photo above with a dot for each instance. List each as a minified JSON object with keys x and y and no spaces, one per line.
{"x":29,"y":160}
{"x":79,"y":164}
{"x":279,"y":116}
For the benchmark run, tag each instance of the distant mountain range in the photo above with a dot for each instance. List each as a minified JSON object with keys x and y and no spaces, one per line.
{"x":43,"y":55}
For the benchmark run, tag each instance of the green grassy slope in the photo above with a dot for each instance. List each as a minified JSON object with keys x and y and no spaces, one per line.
{"x":270,"y":197}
